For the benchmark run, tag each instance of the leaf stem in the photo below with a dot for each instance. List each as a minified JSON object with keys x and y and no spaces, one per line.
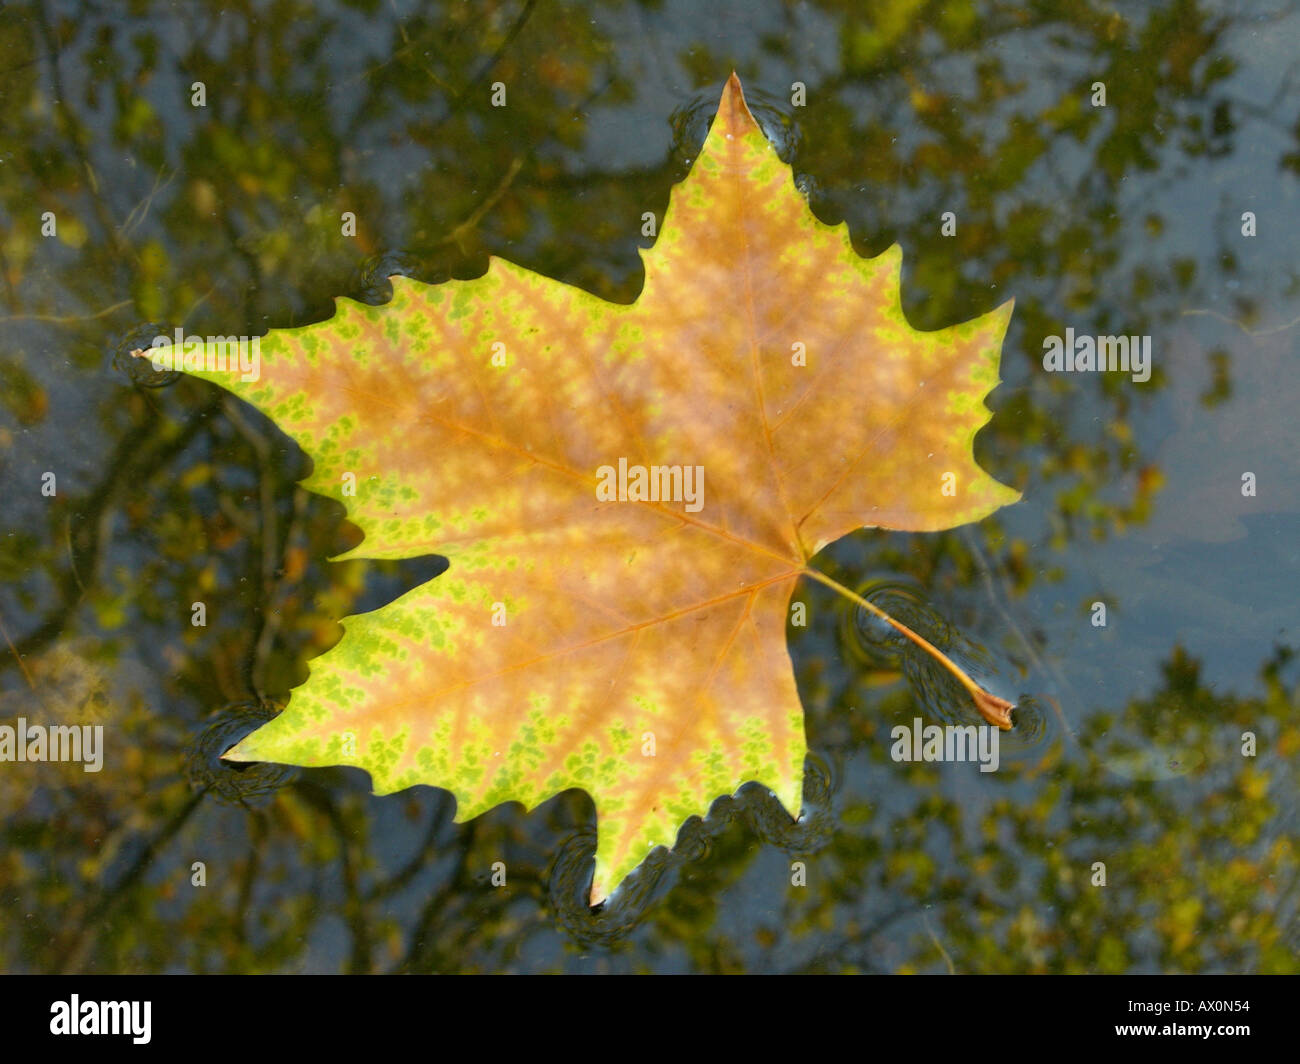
{"x":993,"y":709}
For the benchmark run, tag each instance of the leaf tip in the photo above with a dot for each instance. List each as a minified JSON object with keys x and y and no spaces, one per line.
{"x":238,"y":752}
{"x":1002,"y":314}
{"x":733,"y":112}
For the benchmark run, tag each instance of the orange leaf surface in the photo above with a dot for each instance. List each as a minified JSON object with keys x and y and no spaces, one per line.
{"x":585,"y":636}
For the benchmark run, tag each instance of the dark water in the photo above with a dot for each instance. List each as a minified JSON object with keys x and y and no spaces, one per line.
{"x":1122,"y":219}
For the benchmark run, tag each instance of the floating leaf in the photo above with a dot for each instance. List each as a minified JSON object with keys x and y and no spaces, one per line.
{"x":631,"y":647}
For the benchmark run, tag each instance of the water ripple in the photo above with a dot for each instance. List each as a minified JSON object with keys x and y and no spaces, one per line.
{"x":246,"y":783}
{"x":140,"y":371}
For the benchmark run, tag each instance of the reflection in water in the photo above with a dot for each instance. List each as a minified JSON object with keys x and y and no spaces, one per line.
{"x":1155,"y":763}
{"x":1169,"y":735}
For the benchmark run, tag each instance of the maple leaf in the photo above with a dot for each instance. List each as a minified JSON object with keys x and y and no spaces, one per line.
{"x":638,"y":651}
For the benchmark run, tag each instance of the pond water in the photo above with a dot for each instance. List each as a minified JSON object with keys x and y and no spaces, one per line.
{"x":1134,"y":171}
